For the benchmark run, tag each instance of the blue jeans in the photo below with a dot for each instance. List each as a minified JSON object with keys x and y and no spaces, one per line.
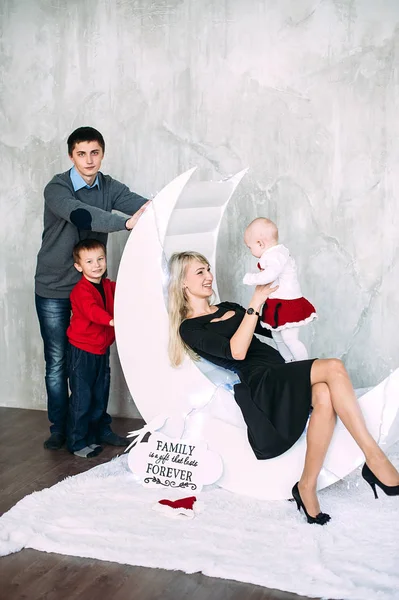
{"x":89,"y":380}
{"x":54,"y":315}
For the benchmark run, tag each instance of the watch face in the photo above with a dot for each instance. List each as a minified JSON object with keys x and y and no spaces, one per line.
{"x":250,"y":311}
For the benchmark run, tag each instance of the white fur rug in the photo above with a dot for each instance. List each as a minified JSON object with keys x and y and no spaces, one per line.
{"x":104,"y":514}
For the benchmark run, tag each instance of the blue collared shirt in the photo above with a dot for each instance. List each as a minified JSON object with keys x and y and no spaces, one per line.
{"x":78,"y":182}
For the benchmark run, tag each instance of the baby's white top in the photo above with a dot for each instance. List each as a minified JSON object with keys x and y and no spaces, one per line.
{"x":280,"y":268}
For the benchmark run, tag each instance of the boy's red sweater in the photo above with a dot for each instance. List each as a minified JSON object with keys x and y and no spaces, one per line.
{"x":89,"y":329}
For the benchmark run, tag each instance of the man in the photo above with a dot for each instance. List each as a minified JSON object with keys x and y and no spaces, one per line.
{"x":78,"y":205}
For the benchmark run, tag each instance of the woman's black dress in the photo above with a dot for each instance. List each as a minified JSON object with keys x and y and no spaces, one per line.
{"x":274,"y":396}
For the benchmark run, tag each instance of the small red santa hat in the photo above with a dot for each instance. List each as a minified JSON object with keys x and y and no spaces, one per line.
{"x":184,"y":507}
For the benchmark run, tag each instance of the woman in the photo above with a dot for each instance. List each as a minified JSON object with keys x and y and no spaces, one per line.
{"x":275,"y":397}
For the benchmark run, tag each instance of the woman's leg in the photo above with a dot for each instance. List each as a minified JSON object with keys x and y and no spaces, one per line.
{"x":320,"y":430}
{"x":333,"y":373}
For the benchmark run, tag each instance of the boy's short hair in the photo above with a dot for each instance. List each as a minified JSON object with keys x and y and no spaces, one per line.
{"x":89,"y":244}
{"x":84,"y":134}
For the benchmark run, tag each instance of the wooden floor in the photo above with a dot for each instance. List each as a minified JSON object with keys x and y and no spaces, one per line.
{"x":25,"y":467}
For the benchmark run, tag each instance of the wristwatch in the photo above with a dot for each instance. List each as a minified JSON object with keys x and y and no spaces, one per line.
{"x":252,"y":311}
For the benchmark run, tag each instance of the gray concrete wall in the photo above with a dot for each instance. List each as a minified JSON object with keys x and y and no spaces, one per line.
{"x":305,"y":93}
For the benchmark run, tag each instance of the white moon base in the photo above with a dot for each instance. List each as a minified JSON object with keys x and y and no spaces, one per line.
{"x":188,"y":217}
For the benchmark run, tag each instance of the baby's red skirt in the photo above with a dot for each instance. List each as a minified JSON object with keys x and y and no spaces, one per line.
{"x":280,"y":314}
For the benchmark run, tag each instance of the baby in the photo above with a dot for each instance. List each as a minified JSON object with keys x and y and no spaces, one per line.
{"x":285,"y":311}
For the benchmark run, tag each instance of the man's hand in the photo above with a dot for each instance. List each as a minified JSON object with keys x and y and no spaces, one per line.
{"x":132,"y":222}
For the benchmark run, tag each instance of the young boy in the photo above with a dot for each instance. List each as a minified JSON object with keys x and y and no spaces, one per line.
{"x":286,"y":310}
{"x":90,"y":334}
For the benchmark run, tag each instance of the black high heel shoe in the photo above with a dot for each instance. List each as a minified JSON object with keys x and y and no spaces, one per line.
{"x":372,"y":480}
{"x":320,"y":519}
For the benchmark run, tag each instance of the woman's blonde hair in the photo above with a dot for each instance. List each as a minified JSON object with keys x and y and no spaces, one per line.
{"x":178,"y":307}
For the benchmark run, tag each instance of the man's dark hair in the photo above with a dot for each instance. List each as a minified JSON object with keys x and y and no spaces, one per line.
{"x":89,"y":244}
{"x":84,"y":134}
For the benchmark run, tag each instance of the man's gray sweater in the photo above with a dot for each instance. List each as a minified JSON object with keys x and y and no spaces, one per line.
{"x":71,"y":216}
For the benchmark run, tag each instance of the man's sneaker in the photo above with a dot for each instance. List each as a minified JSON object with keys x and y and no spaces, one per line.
{"x":113,"y":439}
{"x":55,"y":441}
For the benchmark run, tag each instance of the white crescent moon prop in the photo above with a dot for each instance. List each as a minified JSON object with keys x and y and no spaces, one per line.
{"x":186,"y":216}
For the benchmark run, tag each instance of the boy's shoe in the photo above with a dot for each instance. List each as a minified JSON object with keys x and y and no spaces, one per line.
{"x":113,"y":439}
{"x":86,"y":452}
{"x":55,"y":441}
{"x":96,"y":448}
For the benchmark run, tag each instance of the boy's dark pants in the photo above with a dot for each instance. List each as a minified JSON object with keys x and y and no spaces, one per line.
{"x":89,"y":381}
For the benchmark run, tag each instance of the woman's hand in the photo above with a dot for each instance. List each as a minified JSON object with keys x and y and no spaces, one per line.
{"x":132,"y":222}
{"x":261,"y":294}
